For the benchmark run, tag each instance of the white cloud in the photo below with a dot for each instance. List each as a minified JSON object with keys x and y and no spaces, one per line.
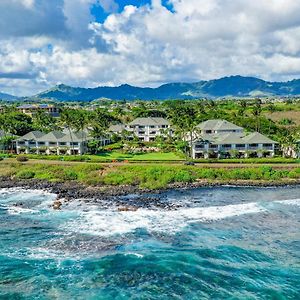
{"x":147,"y":45}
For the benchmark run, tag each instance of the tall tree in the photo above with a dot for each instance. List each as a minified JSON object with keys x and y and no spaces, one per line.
{"x":68,"y":120}
{"x":256,"y":112}
{"x":44,"y":122}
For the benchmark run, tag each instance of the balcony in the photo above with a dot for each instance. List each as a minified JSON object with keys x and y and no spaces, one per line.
{"x":267,"y":148}
{"x":226,"y":148}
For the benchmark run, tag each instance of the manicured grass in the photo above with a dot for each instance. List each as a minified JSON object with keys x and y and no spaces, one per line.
{"x":112,"y":156}
{"x":159,"y":156}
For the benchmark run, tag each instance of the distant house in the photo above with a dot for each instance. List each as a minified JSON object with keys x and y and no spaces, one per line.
{"x":55,"y":142}
{"x":220,"y":138}
{"x":146,"y":129}
{"x":31,"y":109}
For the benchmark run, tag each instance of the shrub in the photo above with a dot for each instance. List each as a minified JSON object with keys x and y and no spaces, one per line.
{"x":21,"y":158}
{"x":69,"y":175}
{"x":293,"y":174}
{"x":25,"y":174}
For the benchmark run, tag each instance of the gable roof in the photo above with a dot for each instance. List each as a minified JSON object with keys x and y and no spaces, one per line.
{"x":116,"y":128}
{"x":56,"y":136}
{"x":229,"y":138}
{"x":257,"y":138}
{"x":32,"y":135}
{"x":150,"y":121}
{"x":218,"y":124}
{"x":235,"y":138}
{"x":76,"y":137}
{"x":52,"y":136}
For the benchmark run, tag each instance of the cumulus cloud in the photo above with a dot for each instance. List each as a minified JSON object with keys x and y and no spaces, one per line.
{"x":61,"y":41}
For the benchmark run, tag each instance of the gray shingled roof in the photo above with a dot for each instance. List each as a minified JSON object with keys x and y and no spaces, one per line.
{"x":116,"y":128}
{"x":257,"y":138}
{"x":218,"y":125}
{"x":235,"y":138}
{"x":55,"y":136}
{"x":33,"y":135}
{"x":149,"y":122}
{"x":76,"y":137}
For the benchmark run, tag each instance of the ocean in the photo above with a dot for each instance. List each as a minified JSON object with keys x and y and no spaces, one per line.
{"x":211,"y":243}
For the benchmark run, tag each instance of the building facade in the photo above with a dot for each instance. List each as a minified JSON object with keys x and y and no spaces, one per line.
{"x":55,"y":143}
{"x":223,"y":139}
{"x":146,"y":129}
{"x":31,"y":109}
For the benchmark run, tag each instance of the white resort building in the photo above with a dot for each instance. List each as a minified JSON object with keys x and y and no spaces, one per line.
{"x":146,"y":129}
{"x":55,"y":142}
{"x":223,"y":139}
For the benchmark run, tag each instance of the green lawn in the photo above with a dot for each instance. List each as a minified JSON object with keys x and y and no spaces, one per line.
{"x":110,"y":156}
{"x":115,"y":155}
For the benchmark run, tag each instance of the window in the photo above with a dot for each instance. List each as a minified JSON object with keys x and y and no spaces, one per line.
{"x":21,"y":143}
{"x":52,"y":143}
{"x":141,"y":132}
{"x":226,"y":146}
{"x":200,"y":146}
{"x":253,"y":145}
{"x":268,"y":145}
{"x":152,"y":126}
{"x":74,"y":144}
{"x":141,"y":127}
{"x":152,"y":132}
{"x":240,"y":146}
{"x":208,"y":131}
{"x":62,"y":144}
{"x":213,"y":146}
{"x":41,"y":143}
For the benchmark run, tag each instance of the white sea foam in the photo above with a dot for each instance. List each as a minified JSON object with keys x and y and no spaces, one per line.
{"x":16,"y":210}
{"x":134,"y":254}
{"x":108,"y":223}
{"x":24,"y":192}
{"x":295,"y":202}
{"x":37,"y":199}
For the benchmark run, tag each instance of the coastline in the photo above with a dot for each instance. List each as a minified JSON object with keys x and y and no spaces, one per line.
{"x":67,"y":191}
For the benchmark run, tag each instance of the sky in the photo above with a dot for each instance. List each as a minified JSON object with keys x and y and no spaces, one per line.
{"x":91,"y":43}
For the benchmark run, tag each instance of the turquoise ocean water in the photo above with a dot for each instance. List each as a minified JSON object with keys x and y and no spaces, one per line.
{"x":217,"y":243}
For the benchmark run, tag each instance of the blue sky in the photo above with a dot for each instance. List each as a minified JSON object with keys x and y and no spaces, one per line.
{"x":101,"y":14}
{"x":145,"y":43}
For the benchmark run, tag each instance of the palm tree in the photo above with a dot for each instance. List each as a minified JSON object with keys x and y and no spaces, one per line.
{"x":256,"y":112}
{"x":67,"y":120}
{"x":242,"y":107}
{"x":43,"y":121}
{"x":80,"y":123}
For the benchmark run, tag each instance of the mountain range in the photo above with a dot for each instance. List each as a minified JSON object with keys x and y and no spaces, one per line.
{"x":233,"y":86}
{"x":7,"y":97}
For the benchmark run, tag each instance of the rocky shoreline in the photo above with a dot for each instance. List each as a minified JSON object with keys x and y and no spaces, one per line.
{"x":66,"y":191}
